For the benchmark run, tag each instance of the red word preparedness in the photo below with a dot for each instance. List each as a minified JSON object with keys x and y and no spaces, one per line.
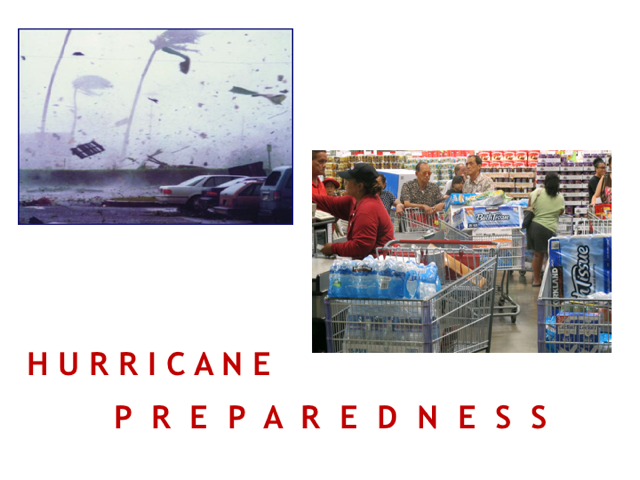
{"x":310,"y":412}
{"x":127,"y":360}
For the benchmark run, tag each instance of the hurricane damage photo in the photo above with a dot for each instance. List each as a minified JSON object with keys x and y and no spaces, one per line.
{"x":155,"y":126}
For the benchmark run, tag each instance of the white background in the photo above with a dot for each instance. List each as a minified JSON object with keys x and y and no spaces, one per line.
{"x":463,"y":75}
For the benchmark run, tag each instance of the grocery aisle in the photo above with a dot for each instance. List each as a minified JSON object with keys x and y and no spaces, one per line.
{"x":521,"y":337}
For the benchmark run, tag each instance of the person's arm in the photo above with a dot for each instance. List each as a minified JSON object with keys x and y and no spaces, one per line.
{"x":440,"y":202}
{"x":598,"y":192}
{"x":339,"y":207}
{"x":364,"y":233}
{"x":398,"y":205}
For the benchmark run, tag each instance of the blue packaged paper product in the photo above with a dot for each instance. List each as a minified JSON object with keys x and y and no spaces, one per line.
{"x":580,"y":265}
{"x":458,"y":199}
{"x":488,"y":217}
{"x":550,"y":334}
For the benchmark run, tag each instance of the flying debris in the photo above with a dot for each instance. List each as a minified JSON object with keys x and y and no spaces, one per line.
{"x":200,"y":105}
{"x":184,"y":66}
{"x":153,"y":99}
{"x":276,"y":99}
{"x":78,"y":54}
{"x":23,"y":57}
{"x":280,"y":78}
{"x":284,"y":91}
{"x":87,"y":149}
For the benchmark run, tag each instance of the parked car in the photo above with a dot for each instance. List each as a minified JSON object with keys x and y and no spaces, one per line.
{"x":211,"y":195}
{"x":186,"y":194}
{"x":276,"y":197}
{"x":240,"y":200}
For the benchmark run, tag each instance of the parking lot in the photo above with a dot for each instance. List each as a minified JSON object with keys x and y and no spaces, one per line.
{"x":92,"y":214}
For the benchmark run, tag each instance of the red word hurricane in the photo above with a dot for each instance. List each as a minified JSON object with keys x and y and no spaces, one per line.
{"x":127,"y":360}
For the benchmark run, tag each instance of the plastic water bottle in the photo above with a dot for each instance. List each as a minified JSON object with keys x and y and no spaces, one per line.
{"x":369,"y":281}
{"x":345,"y":279}
{"x":411,"y":282}
{"x":358,"y":279}
{"x":398,"y":280}
{"x":374,"y":282}
{"x":335,"y":286}
{"x":384,"y":278}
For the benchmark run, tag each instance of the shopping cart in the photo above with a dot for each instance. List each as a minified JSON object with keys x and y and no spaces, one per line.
{"x":416,"y":220}
{"x":511,"y":257}
{"x":597,"y":224}
{"x":456,"y":319}
{"x":572,"y":325}
{"x":565,"y":225}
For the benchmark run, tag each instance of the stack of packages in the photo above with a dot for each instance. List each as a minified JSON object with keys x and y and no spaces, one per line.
{"x":580,"y":269}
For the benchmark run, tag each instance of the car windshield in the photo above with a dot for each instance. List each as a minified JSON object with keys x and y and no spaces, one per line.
{"x":272,"y":179}
{"x":193,"y":181}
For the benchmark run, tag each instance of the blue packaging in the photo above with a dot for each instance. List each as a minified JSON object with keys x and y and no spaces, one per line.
{"x":486,"y":217}
{"x":580,"y":265}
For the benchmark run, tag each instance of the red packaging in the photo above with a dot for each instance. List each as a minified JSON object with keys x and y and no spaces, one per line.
{"x":603,"y":210}
{"x":497,"y":155}
{"x":484,"y":156}
{"x":521,"y":155}
{"x":510,"y":155}
{"x":533,"y":155}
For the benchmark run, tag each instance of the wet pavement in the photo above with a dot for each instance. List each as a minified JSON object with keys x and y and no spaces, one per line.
{"x":99,"y":215}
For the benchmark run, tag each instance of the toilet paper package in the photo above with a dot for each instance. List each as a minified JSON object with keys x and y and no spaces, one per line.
{"x":580,"y":265}
{"x":488,"y":217}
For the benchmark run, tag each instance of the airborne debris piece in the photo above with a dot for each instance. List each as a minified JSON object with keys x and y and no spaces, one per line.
{"x":184,"y":66}
{"x":153,"y":99}
{"x":78,"y":54}
{"x":284,"y":91}
{"x":276,"y":99}
{"x":280,"y":78}
{"x":200,"y":105}
{"x":87,"y":149}
{"x":203,"y":135}
{"x":23,"y":57}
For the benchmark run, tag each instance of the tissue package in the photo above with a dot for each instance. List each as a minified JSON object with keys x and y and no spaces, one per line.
{"x":487,"y":217}
{"x":580,"y":265}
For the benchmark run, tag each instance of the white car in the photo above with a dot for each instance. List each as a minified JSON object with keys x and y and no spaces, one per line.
{"x":187,"y":193}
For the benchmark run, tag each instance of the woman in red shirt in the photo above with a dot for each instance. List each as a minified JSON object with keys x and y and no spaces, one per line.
{"x":369,"y":224}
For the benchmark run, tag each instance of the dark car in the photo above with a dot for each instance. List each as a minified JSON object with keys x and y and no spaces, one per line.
{"x":241,"y":200}
{"x":210,"y":197}
{"x":276,"y":197}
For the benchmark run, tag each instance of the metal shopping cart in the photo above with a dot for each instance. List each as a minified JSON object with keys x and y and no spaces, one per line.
{"x":416,"y":220}
{"x":456,"y":319}
{"x":597,"y":224}
{"x":572,"y":325}
{"x":511,"y":257}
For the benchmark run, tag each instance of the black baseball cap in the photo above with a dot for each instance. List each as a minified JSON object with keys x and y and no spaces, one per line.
{"x":361,"y":172}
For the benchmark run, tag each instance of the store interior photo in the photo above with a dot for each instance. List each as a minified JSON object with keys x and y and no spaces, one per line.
{"x":461,"y":251}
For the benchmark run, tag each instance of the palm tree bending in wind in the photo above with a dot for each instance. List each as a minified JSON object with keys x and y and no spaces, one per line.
{"x":171,"y":41}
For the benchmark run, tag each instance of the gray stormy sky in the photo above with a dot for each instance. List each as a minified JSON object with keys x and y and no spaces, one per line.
{"x":226,"y":129}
